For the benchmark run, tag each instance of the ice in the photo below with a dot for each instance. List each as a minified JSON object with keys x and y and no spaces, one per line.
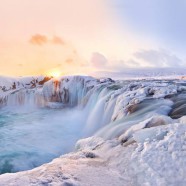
{"x":182,"y":120}
{"x":132,"y":140}
{"x":149,"y":135}
{"x":68,"y":90}
{"x":90,"y":143}
{"x":150,"y":162}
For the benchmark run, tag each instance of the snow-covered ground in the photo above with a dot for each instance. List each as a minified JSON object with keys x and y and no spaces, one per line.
{"x":157,"y":161}
{"x":132,"y":139}
{"x":143,"y":73}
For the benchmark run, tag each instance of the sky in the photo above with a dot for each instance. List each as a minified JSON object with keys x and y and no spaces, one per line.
{"x":67,"y":37}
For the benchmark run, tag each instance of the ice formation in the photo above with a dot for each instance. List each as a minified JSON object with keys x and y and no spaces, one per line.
{"x":137,"y":136}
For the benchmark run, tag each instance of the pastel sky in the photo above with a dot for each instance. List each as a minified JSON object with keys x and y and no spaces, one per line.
{"x":82,"y":36}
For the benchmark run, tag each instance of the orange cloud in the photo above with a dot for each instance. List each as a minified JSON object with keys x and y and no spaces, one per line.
{"x":69,"y":61}
{"x":38,"y":39}
{"x":20,"y":64}
{"x":57,"y":40}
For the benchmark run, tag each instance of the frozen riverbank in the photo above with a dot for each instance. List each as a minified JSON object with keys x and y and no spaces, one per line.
{"x":135,"y":140}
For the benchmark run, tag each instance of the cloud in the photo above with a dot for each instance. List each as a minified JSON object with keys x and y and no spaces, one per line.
{"x":57,"y":40}
{"x":20,"y":64}
{"x":69,"y":61}
{"x":130,"y":63}
{"x":159,"y":58}
{"x":98,"y":60}
{"x":133,"y":63}
{"x":140,"y":59}
{"x":38,"y":39}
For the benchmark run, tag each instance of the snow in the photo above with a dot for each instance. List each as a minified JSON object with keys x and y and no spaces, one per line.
{"x":90,"y":143}
{"x":20,"y":82}
{"x":144,"y":73}
{"x":133,"y":139}
{"x":165,"y":158}
{"x":182,"y":120}
{"x":159,"y":161}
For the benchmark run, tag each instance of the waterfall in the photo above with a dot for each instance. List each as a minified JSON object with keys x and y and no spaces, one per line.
{"x":25,"y":97}
{"x":41,"y":123}
{"x":106,"y":104}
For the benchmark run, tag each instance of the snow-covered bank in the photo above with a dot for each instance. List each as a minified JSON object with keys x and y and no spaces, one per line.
{"x":8,"y":83}
{"x":154,"y":162}
{"x":19,"y":87}
{"x":135,"y":141}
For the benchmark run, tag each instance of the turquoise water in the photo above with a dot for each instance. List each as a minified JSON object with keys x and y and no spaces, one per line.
{"x":31,"y":137}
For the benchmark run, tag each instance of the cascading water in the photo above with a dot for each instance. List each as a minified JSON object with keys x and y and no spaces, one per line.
{"x":33,"y":133}
{"x":29,"y":98}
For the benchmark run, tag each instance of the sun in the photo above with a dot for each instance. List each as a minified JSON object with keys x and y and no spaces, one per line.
{"x":54,"y":73}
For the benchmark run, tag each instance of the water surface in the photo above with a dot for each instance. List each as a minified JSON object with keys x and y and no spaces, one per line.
{"x":31,"y":137}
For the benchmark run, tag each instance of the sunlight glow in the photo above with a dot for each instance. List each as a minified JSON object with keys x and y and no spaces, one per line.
{"x":54,"y":73}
